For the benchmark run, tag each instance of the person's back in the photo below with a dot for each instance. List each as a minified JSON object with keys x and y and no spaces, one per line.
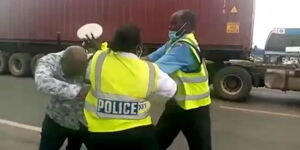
{"x":116,"y":71}
{"x":116,"y":108}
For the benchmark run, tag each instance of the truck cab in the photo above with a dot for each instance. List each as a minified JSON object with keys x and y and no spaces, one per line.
{"x":275,"y":67}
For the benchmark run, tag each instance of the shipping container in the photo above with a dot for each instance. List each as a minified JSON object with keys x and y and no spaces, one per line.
{"x":30,"y":28}
{"x":224,"y":31}
{"x":224,"y":24}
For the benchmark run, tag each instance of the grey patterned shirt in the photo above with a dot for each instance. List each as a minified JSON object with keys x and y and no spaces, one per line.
{"x":64,"y":108}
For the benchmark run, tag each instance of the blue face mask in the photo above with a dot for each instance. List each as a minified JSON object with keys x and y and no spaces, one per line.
{"x":173,"y":35}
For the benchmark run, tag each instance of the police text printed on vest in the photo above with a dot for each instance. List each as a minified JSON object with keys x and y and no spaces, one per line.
{"x":120,"y":107}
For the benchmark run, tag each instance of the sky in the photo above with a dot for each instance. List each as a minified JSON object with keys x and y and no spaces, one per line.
{"x":271,"y":14}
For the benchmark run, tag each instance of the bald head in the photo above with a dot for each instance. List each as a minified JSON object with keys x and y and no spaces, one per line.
{"x":183,"y":18}
{"x":74,"y":61}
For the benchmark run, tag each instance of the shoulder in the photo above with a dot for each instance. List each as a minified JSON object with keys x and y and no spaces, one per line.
{"x":52,"y":58}
{"x":149,"y":64}
{"x":180,"y":47}
{"x":182,"y":44}
{"x":157,"y":71}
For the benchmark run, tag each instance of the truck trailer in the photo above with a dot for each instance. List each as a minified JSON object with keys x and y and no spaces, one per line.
{"x":32,"y":28}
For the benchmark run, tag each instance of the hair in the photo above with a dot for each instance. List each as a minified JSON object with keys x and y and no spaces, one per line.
{"x":189,"y":17}
{"x":74,"y":60}
{"x":126,"y":38}
{"x":73,"y":51}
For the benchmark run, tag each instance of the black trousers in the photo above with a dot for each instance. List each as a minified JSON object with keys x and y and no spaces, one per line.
{"x":53,"y":136}
{"x":139,"y":138}
{"x":195,"y":125}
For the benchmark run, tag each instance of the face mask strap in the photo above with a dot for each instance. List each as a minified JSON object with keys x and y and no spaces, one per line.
{"x":181,"y":28}
{"x":139,"y":50}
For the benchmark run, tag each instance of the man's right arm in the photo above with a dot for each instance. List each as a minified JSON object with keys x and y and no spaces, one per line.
{"x":154,"y":56}
{"x":166,"y":87}
{"x":47,"y":83}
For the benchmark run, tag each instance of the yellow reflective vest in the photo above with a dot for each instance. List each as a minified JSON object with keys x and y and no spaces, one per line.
{"x":120,"y":86}
{"x":192,"y":88}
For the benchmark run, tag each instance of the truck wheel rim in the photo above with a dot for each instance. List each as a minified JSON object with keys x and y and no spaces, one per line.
{"x":17,"y":65}
{"x":232,"y":84}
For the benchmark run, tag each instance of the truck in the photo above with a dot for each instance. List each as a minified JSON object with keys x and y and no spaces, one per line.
{"x":29,"y":29}
{"x":275,"y":67}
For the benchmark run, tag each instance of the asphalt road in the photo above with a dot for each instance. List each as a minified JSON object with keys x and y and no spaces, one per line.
{"x":268,"y":120}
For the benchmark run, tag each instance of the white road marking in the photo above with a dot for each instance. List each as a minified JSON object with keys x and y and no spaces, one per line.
{"x":20,"y":125}
{"x":261,"y":112}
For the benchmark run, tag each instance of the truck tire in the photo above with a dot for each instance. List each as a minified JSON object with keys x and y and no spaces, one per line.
{"x":3,"y":62}
{"x":34,"y":62}
{"x":19,"y":64}
{"x":232,"y":83}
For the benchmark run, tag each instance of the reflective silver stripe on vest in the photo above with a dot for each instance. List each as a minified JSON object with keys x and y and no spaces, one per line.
{"x":101,"y":95}
{"x":192,"y":97}
{"x":151,"y":83}
{"x":204,"y":66}
{"x":193,"y":80}
{"x":98,"y":70}
{"x":93,"y":110}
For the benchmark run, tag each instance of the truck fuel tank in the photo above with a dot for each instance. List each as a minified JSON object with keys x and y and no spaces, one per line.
{"x":283,"y":79}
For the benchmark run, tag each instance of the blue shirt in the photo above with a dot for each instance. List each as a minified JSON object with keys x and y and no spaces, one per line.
{"x":180,"y":57}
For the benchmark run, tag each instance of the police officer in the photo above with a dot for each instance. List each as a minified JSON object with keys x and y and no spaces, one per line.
{"x":188,"y":111}
{"x":117,"y":105}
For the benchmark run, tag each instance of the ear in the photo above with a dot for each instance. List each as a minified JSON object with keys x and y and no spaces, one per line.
{"x":189,"y":26}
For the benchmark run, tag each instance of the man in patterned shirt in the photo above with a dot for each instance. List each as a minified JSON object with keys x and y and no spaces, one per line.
{"x":61,"y":76}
